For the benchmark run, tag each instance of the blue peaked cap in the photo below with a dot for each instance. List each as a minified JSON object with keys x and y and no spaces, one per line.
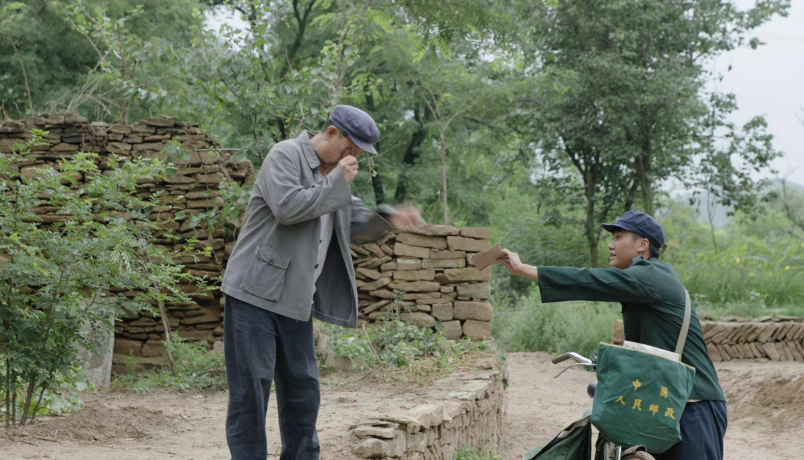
{"x":640,"y":223}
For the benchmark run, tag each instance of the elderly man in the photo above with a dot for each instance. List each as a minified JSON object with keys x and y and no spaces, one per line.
{"x":292,"y":264}
{"x":653,"y":301}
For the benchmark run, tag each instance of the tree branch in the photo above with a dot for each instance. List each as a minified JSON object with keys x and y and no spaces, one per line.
{"x":787,"y":208}
{"x":24,"y":73}
{"x":297,"y":43}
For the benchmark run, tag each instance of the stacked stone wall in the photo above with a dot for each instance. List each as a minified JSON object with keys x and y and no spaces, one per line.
{"x":774,"y":339}
{"x":429,"y":277}
{"x":193,"y":189}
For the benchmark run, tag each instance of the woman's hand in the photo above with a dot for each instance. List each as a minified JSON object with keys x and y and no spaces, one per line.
{"x":516,"y":267}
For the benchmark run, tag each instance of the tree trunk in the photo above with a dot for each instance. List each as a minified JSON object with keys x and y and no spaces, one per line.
{"x":445,"y":209}
{"x":629,"y":201}
{"x":8,"y":393}
{"x":14,"y":399}
{"x":376,"y":182}
{"x":642,"y":164}
{"x":39,"y":401}
{"x":647,"y":197}
{"x":166,"y":325}
{"x":591,"y":225}
{"x":711,"y":208}
{"x":411,"y":154}
{"x":26,"y":407}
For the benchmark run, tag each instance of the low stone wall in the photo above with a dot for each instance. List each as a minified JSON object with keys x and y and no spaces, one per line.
{"x":775,"y":339}
{"x":781,"y":340}
{"x":471,"y":414}
{"x":428,"y":275}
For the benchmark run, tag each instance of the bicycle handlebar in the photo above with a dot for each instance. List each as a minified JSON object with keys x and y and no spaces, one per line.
{"x":571,"y":355}
{"x":562,"y":357}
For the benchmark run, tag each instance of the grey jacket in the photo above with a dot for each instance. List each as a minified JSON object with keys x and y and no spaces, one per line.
{"x":273,"y":261}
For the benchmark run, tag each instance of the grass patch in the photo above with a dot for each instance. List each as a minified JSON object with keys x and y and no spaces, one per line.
{"x":757,"y":260}
{"x":197,"y":369}
{"x":526,"y":324}
{"x":402,"y":351}
{"x":744,"y":310}
{"x":484,"y":453}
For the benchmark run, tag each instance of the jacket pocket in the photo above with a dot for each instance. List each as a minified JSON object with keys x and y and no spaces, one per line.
{"x":265,"y":277}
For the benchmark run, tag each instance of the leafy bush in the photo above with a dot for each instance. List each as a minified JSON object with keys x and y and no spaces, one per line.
{"x":526,"y":324}
{"x":197,"y":369}
{"x":63,"y":281}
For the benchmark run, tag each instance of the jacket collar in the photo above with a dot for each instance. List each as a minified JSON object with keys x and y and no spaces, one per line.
{"x":639,"y":259}
{"x":308,"y":150}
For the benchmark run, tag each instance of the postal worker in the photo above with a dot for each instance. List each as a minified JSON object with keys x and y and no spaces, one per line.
{"x":653,"y":304}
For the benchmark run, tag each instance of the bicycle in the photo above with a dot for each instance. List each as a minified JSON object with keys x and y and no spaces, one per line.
{"x":604,"y":449}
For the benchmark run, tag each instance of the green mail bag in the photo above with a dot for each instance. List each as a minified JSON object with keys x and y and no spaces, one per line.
{"x":574,"y":442}
{"x":640,"y":396}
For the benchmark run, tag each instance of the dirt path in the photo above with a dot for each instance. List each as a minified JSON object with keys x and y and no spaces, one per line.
{"x":764,"y":397}
{"x":166,"y":426}
{"x":163,"y":425}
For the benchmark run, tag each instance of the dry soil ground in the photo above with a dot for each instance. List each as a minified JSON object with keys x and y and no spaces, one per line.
{"x":766,"y":419}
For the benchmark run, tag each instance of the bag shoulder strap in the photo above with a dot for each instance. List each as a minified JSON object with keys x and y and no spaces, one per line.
{"x":685,"y":326}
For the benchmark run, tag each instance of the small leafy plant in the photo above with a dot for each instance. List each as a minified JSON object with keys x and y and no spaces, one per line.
{"x":63,"y":276}
{"x":196,"y":369}
{"x":395,"y":345}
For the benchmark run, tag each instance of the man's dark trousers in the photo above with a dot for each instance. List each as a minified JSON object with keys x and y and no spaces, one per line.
{"x":262,"y":347}
{"x":703,"y":426}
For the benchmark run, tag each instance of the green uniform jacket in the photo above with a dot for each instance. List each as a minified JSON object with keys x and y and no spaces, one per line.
{"x":653,"y":303}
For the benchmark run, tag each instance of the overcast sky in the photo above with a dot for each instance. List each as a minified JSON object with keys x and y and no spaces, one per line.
{"x":770,"y":81}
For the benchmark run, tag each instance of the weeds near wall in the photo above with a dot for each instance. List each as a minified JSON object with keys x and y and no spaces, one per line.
{"x":403,"y":351}
{"x":197,"y":369}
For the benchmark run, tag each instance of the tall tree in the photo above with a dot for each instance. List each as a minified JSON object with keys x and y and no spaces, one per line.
{"x":622,"y":97}
{"x":50,"y":51}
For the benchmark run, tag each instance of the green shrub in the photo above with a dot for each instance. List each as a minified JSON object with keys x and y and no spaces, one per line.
{"x":526,"y":324}
{"x":197,"y":369}
{"x":58,"y":277}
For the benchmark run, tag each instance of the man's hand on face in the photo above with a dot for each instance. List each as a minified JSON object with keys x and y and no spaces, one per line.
{"x":408,"y":219}
{"x":348,"y":166}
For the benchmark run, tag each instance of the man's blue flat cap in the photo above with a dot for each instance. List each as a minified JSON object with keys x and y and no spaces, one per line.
{"x":358,"y":125}
{"x":641,"y":224}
